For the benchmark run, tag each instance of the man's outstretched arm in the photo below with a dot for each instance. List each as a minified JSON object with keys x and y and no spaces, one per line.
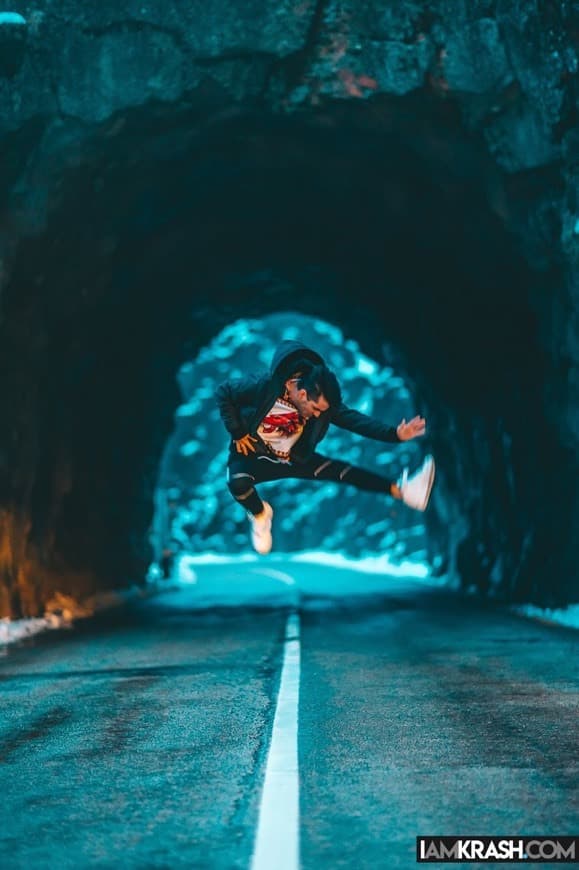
{"x":361,"y":424}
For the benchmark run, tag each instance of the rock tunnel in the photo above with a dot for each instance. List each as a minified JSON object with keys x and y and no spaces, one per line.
{"x":132,"y":234}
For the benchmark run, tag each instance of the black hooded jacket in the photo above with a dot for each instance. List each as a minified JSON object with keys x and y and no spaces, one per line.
{"x":244,"y":402}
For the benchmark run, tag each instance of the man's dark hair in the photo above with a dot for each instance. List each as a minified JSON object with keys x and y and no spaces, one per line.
{"x":318,"y":380}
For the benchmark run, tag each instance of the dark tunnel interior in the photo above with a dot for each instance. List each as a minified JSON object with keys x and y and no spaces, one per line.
{"x":344,"y":233}
{"x":385,"y":218}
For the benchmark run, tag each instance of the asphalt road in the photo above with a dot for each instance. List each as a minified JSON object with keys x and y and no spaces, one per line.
{"x":140,"y":739}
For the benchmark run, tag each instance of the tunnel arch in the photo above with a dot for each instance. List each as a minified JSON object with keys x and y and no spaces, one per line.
{"x":385,"y":217}
{"x":194,"y":509}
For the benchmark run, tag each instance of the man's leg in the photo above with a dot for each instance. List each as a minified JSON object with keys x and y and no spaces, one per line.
{"x":241,"y":486}
{"x":243,"y":472}
{"x":414,"y":490}
{"x":321,"y":468}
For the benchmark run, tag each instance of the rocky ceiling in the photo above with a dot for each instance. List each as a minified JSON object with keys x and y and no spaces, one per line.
{"x":408,"y":171}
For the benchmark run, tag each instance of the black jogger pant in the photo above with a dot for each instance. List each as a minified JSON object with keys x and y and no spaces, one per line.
{"x":243,"y":472}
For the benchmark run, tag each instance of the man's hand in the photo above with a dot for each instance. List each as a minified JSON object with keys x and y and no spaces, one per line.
{"x":244,"y":445}
{"x":413,"y":429}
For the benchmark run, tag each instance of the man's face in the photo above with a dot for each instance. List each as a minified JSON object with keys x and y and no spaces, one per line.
{"x":307,"y":407}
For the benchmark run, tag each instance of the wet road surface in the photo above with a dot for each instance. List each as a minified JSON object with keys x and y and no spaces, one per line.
{"x":141,"y":739}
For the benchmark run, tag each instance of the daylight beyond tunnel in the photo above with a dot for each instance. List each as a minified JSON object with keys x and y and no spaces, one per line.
{"x":195,"y":512}
{"x":384,"y":219}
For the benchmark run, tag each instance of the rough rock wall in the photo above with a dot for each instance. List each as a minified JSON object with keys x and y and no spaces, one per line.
{"x":510,"y":66}
{"x":505,"y":73}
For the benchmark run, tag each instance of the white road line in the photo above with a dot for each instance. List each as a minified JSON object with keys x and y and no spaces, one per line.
{"x":276,"y":575}
{"x":277,"y":841}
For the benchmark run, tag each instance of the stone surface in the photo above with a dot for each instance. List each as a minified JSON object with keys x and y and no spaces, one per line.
{"x":419,"y":160}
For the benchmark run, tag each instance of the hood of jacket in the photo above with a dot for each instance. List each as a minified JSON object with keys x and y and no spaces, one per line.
{"x":287,"y":354}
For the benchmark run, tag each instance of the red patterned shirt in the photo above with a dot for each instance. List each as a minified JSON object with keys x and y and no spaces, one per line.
{"x":280,"y":428}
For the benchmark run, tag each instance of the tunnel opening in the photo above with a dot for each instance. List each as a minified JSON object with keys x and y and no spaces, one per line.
{"x":384,"y":218}
{"x":195,"y":513}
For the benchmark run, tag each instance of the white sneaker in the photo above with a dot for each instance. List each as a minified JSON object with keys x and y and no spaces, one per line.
{"x":261,"y":529}
{"x":416,"y":488}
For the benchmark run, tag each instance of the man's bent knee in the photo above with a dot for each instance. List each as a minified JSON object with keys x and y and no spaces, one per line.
{"x":241,"y":486}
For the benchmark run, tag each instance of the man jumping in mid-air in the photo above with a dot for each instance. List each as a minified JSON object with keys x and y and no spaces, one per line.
{"x":276,"y":422}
